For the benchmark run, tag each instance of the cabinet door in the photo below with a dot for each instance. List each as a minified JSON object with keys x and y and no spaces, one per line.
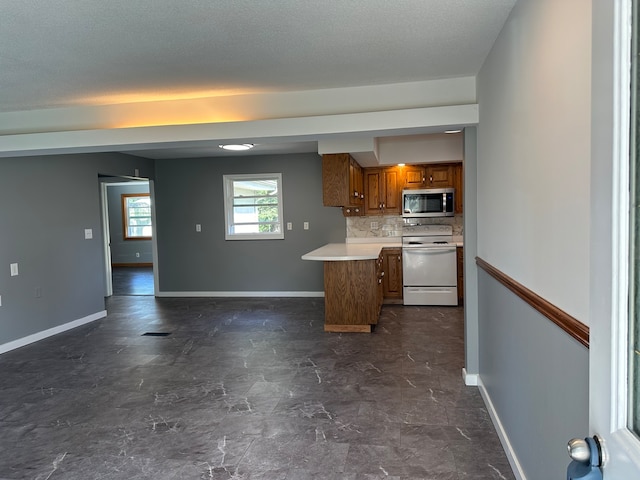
{"x":458,"y":184}
{"x":439,"y":176}
{"x":392,"y":191}
{"x":356,"y":183}
{"x":372,"y":191}
{"x":414,"y":176}
{"x":392,"y":280}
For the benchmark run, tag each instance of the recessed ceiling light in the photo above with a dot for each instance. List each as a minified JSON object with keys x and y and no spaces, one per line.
{"x":237,"y":147}
{"x":452,"y":131}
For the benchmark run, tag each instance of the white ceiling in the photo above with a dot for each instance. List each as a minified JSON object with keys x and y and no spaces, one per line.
{"x":59,"y":53}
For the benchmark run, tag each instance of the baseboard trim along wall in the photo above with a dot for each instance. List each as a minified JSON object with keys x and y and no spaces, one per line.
{"x":21,"y":342}
{"x":240,"y":294}
{"x":470,"y":379}
{"x":502,"y":434}
{"x":562,"y":319}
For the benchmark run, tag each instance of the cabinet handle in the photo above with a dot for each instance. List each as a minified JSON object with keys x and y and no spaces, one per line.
{"x":399,"y":258}
{"x":362,"y":195}
{"x":382,"y":274}
{"x":357,"y":210}
{"x":355,"y":194}
{"x":431,"y":178}
{"x":423,"y":179}
{"x":379,"y":280}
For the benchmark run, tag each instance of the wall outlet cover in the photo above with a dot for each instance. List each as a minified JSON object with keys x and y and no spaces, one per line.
{"x":14,"y":269}
{"x":88,"y":234}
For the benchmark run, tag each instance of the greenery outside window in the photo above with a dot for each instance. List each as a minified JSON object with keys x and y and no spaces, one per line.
{"x":136,"y":216}
{"x":253,"y":206}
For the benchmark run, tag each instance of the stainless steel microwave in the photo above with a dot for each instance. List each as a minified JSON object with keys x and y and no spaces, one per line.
{"x":429,"y":202}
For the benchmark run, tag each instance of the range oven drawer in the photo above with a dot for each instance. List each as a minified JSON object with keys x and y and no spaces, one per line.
{"x":430,"y":296}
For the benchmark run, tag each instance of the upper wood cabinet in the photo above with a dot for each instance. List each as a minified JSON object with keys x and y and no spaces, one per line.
{"x":342,"y":182}
{"x":429,"y":176}
{"x":382,"y":191}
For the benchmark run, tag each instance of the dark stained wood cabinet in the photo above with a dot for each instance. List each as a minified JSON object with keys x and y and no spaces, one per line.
{"x":353,"y":292}
{"x":342,"y":182}
{"x":392,"y":278}
{"x":382,"y":191}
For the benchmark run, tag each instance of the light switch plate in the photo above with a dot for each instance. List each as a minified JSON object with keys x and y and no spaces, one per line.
{"x":305,"y":225}
{"x":289,"y":226}
{"x":198,"y":227}
{"x":88,"y":234}
{"x":14,"y":269}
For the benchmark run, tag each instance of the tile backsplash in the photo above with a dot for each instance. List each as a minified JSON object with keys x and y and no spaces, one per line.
{"x":391,"y":225}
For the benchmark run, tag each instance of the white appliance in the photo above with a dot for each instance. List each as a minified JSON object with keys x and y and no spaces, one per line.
{"x":429,"y":265}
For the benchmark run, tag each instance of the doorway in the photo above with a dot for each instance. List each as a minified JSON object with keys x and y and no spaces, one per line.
{"x":128,"y":237}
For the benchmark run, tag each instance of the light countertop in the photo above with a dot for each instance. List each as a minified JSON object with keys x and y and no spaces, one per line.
{"x":348,"y":251}
{"x":364,"y":248}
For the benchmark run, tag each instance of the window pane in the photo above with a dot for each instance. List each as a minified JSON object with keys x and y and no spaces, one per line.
{"x":136,"y":215}
{"x":253,"y":206}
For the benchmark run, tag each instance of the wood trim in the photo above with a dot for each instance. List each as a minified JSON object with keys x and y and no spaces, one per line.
{"x":562,"y":319}
{"x":142,"y":264}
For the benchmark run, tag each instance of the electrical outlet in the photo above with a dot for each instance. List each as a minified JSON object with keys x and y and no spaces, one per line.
{"x":137,"y":254}
{"x":305,"y":225}
{"x":198,"y":227}
{"x":88,"y":234}
{"x":374,"y":225}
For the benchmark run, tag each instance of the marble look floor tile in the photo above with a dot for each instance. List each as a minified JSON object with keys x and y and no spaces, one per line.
{"x":245,"y":389}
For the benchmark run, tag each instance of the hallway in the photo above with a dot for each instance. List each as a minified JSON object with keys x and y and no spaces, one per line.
{"x":245,"y":389}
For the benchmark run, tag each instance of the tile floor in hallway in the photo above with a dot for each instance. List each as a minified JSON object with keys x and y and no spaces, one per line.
{"x":245,"y":389}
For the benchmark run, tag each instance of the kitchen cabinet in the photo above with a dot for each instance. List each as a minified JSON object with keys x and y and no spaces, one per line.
{"x":392,"y":275}
{"x":342,"y":182}
{"x":429,"y":176}
{"x":382,"y":191}
{"x":352,"y":294}
{"x":460,"y":263}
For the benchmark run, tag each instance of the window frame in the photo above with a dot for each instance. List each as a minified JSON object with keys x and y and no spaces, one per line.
{"x":228,"y":184}
{"x":125,"y":216}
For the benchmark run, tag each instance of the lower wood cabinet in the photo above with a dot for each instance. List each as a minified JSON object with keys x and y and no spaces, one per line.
{"x":392,"y":279}
{"x":352,"y":295}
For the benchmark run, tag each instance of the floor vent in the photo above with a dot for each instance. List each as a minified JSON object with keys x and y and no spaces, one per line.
{"x":156,"y":334}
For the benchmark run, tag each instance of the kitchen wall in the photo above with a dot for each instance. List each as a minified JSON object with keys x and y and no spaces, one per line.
{"x":189,"y":191}
{"x":46,"y":203}
{"x":124,"y":251}
{"x":533,"y":208}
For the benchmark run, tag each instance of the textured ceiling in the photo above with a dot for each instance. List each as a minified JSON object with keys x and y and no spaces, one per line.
{"x":88,"y":52}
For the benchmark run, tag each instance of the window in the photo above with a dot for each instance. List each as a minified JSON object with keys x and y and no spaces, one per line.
{"x":253,"y":206}
{"x":136,"y":216}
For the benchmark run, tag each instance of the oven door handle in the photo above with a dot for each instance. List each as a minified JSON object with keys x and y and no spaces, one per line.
{"x":431,"y":249}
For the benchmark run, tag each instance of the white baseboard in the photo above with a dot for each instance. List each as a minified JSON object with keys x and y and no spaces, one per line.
{"x":240,"y":294}
{"x":502,"y":434}
{"x":21,"y":342}
{"x":470,"y":379}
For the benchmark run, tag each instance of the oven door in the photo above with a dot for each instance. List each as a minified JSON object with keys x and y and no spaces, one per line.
{"x":429,"y":275}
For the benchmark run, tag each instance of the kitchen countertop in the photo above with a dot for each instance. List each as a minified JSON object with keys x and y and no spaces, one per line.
{"x":348,"y":251}
{"x":362,"y":248}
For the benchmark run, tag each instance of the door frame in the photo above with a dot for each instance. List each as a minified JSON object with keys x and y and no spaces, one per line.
{"x":609,"y":236}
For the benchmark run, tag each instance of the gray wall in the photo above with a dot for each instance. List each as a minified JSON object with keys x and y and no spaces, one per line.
{"x":124,"y":251}
{"x":537,"y":378}
{"x":45,"y":205}
{"x":190,"y":191}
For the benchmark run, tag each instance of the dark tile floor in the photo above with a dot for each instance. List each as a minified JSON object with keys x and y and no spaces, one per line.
{"x":245,"y":389}
{"x":132,"y":280}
